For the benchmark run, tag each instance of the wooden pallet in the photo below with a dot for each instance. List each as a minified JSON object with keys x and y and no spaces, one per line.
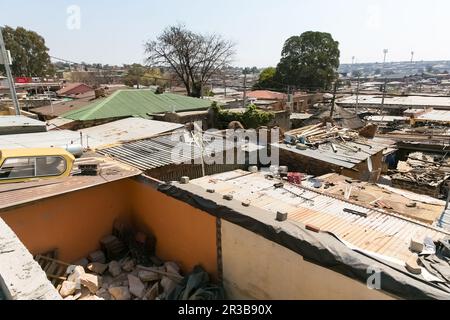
{"x":55,"y":269}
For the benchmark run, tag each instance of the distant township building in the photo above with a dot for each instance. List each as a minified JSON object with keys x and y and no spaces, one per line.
{"x":301,"y":102}
{"x":395,"y":102}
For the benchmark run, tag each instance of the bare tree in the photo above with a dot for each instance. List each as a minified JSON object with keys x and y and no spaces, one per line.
{"x":193,"y":57}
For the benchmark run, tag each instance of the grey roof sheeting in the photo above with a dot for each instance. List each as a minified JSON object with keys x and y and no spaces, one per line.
{"x":20,"y":124}
{"x":48,"y":139}
{"x":444,"y":221}
{"x":344,"y":158}
{"x":129,"y":129}
{"x":162,"y":151}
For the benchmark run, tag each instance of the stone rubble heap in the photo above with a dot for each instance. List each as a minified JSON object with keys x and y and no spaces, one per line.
{"x":120,"y":280}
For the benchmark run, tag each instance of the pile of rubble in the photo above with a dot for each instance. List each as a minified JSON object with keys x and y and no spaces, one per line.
{"x":423,"y":168}
{"x":119,"y":280}
{"x":126,"y":268}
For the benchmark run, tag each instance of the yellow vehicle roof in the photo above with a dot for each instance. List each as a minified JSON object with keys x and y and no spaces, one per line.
{"x":35,"y":152}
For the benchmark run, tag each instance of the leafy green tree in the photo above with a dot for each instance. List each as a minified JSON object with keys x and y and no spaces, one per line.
{"x":267,"y":79}
{"x":28,"y":52}
{"x":309,"y":61}
{"x":252,"y":118}
{"x":134,"y":76}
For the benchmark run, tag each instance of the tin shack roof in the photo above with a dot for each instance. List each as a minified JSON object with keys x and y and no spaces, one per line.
{"x":376,"y":234}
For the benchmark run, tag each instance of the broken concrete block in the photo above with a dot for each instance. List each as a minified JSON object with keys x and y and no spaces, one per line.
{"x":91,"y":281}
{"x":246,"y":203}
{"x":104,"y":294}
{"x":412,"y":205}
{"x":148,"y":276}
{"x":113,"y":247}
{"x":75,"y":272}
{"x":97,"y":256}
{"x":413,"y":266}
{"x":68,"y":288}
{"x":137,"y":288}
{"x":184,"y":180}
{"x":128,"y":265}
{"x":97,"y":267}
{"x":120,"y":293}
{"x":172,"y":267}
{"x":114,"y":268}
{"x":152,"y":293}
{"x":228,"y":197}
{"x":282,"y":216}
{"x":168,"y":285}
{"x":416,"y":245}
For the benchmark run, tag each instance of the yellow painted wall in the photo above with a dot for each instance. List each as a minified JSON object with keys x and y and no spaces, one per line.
{"x":184,"y":234}
{"x":73,"y":223}
{"x":256,"y":268}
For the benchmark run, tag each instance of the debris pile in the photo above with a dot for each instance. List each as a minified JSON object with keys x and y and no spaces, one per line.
{"x":319,"y":136}
{"x":423,"y":172}
{"x":431,"y":260}
{"x":126,"y":269}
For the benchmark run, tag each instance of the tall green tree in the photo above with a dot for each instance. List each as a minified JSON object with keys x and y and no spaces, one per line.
{"x":309,"y":61}
{"x":267,"y":79}
{"x":29,"y":53}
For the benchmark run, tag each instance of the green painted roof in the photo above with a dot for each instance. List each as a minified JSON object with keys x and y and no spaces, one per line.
{"x":136,"y":103}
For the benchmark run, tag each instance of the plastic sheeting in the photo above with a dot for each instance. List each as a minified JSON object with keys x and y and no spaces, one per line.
{"x":320,"y":248}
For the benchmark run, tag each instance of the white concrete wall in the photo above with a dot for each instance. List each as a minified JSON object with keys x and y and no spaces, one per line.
{"x":256,"y":268}
{"x":21,"y":277}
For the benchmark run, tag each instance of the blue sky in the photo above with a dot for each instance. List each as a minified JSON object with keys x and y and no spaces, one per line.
{"x":114,"y":31}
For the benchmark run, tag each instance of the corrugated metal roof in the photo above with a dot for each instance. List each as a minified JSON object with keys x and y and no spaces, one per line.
{"x":444,"y":221}
{"x":20,"y":124}
{"x":436,"y":115}
{"x":129,"y":129}
{"x":381,"y":233}
{"x":343,"y":157}
{"x":136,"y":103}
{"x":13,"y":194}
{"x":161,"y":151}
{"x":396,"y":101}
{"x":60,"y":138}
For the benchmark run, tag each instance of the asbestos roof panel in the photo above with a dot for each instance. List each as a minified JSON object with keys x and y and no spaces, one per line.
{"x":48,"y":139}
{"x":129,"y":129}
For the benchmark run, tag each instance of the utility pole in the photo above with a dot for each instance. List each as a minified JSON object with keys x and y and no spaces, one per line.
{"x":357,"y":96}
{"x":224,"y":88}
{"x":245,"y":89}
{"x":384,"y":95}
{"x":334,"y":99}
{"x":11,"y":83}
{"x":385,"y":52}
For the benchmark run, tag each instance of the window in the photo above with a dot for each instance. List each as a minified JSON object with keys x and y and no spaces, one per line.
{"x":50,"y":166}
{"x":17,"y":168}
{"x":29,"y":167}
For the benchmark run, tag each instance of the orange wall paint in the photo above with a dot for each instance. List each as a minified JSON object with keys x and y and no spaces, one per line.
{"x":184,"y":234}
{"x":73,"y":223}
